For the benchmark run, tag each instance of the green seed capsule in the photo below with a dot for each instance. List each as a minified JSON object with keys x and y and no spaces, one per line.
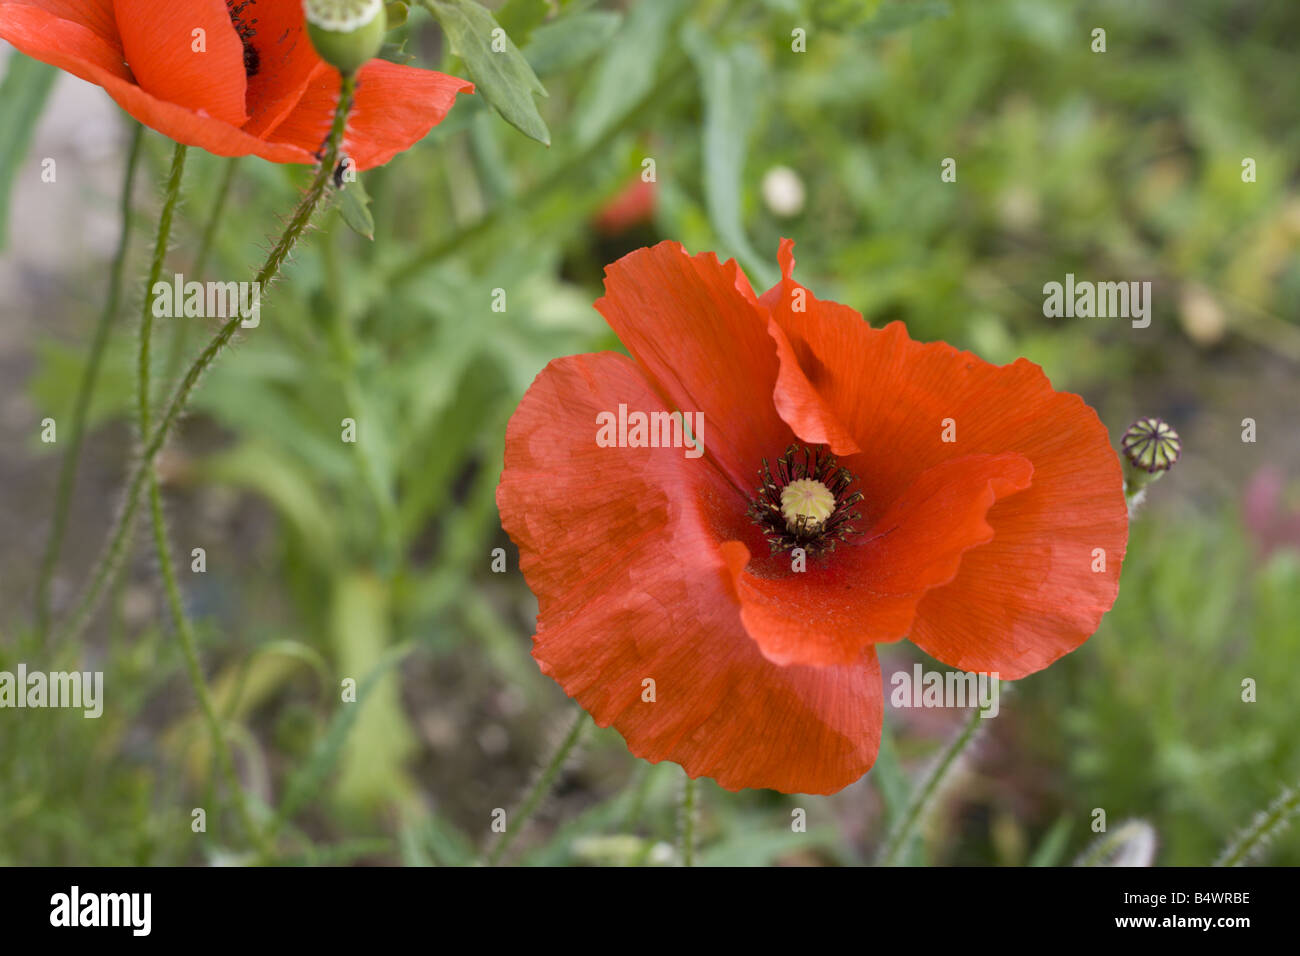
{"x":346,"y":33}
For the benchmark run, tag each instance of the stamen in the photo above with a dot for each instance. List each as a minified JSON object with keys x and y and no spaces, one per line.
{"x":246,"y":30}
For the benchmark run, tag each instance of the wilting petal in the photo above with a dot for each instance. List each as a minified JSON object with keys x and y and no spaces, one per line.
{"x":619,"y":548}
{"x":158,"y":41}
{"x":395,"y":107}
{"x":868,"y":589}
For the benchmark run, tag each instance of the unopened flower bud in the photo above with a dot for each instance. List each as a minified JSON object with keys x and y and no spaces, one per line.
{"x":1151,"y":447}
{"x":346,"y":33}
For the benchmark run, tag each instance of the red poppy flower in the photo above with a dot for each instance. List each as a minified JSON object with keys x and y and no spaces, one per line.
{"x":652,"y":565}
{"x":234,"y":77}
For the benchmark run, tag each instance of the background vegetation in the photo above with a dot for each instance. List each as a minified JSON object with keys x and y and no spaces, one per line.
{"x":372,"y":560}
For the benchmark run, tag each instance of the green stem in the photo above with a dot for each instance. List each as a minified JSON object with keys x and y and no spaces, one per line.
{"x":85,"y":389}
{"x":690,"y":800}
{"x":539,"y":790}
{"x":923,"y":800}
{"x":1266,"y":826}
{"x":189,"y":647}
{"x":293,"y":230}
{"x":170,"y":197}
{"x":181,"y":336}
{"x":184,"y":630}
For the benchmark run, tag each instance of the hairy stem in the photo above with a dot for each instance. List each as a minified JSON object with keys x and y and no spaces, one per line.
{"x":85,"y":390}
{"x":690,"y":800}
{"x":1266,"y":826}
{"x":923,"y":800}
{"x":545,"y":781}
{"x":181,"y":623}
{"x":189,"y":647}
{"x":293,"y":230}
{"x":170,"y":197}
{"x":181,"y":336}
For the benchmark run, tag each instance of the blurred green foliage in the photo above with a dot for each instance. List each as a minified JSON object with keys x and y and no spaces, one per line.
{"x":371,"y":560}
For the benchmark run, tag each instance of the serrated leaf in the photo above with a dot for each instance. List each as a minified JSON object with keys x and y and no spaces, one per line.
{"x":504,"y":78}
{"x":354,"y":207}
{"x":26,"y":86}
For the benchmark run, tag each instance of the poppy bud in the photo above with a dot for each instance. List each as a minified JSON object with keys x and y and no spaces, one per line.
{"x":1151,"y":447}
{"x":346,"y":33}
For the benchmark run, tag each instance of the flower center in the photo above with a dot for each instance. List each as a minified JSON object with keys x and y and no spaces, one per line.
{"x":805,"y":502}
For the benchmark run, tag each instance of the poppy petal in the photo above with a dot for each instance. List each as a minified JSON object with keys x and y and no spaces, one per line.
{"x":868,"y":589}
{"x":78,"y":50}
{"x":1031,"y":594}
{"x":1039,"y":589}
{"x":395,"y":107}
{"x":159,"y":39}
{"x":694,"y":324}
{"x":95,"y":15}
{"x":632,"y":587}
{"x":795,"y":395}
{"x":65,"y":43}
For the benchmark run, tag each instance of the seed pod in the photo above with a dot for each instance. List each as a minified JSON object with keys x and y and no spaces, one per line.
{"x":346,"y":33}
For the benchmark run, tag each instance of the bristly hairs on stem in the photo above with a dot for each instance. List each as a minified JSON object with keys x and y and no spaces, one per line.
{"x":688,"y":820}
{"x":85,"y":389}
{"x":928,"y":795}
{"x":307,"y":205}
{"x":545,"y":778}
{"x":1268,"y":824}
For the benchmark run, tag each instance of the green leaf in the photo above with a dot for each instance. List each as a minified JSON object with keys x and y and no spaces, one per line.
{"x":1051,"y":850}
{"x":519,"y":18}
{"x":306,"y":782}
{"x":503,"y":77}
{"x":628,"y":69}
{"x":730,"y":82}
{"x":26,"y":86}
{"x":354,"y":207}
{"x":571,"y":41}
